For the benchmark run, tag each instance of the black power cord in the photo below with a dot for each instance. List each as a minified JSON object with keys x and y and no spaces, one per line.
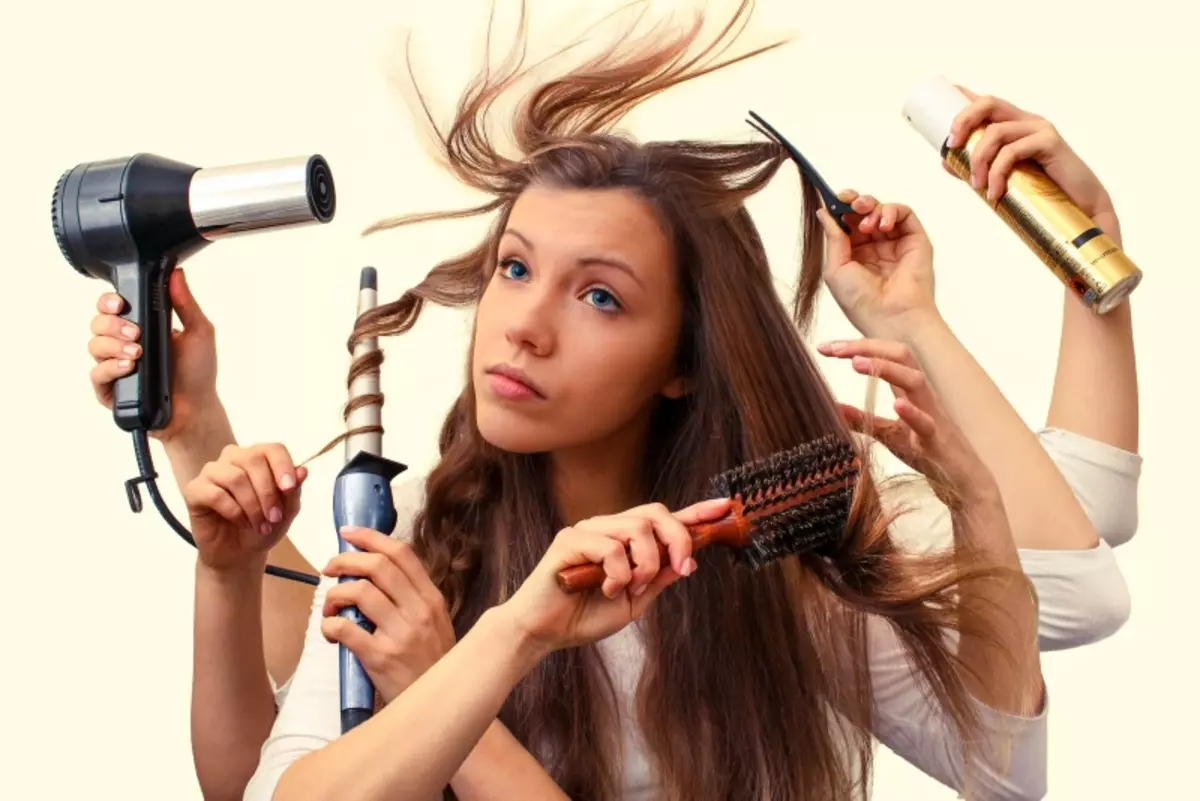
{"x":147,"y":476}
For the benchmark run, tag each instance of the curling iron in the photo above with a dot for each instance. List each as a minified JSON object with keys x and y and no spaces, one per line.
{"x":362,"y":497}
{"x":131,"y":221}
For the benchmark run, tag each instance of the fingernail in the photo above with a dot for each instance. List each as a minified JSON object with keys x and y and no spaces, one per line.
{"x":837,"y":347}
{"x":275,"y":515}
{"x":287,"y":481}
{"x":124,"y":363}
{"x":689,"y":567}
{"x":976,"y":182}
{"x":129,"y":331}
{"x":638,"y":592}
{"x":114,"y":305}
{"x":132,"y":350}
{"x":265,"y":529}
{"x":952,"y":140}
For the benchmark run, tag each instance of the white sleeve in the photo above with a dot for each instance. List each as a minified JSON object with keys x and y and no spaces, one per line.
{"x":910,"y":723}
{"x":1082,"y":594}
{"x":310,"y":717}
{"x":1104,"y":479}
{"x":310,"y":711}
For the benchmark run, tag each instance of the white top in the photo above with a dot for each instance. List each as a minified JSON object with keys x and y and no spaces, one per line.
{"x":1082,"y":597}
{"x":932,"y":107}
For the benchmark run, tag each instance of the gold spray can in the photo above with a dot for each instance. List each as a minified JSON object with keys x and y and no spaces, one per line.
{"x":1085,"y":259}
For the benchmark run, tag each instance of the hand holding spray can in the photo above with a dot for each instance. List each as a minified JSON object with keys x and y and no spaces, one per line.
{"x":1085,"y":259}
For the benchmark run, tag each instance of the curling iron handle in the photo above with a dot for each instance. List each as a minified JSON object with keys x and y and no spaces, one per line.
{"x":142,"y":399}
{"x":363,"y":498}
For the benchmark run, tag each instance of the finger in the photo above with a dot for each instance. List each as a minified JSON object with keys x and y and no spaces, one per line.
{"x":103,"y":348}
{"x":282,"y":466}
{"x":233,"y":479}
{"x":636,"y":533}
{"x":922,"y":424}
{"x":202,"y":495}
{"x":372,"y":564}
{"x":704,"y":512}
{"x":887,"y":217}
{"x":877,"y":348}
{"x":870,"y":223}
{"x":258,"y":469}
{"x":906,"y":221}
{"x":982,"y":109}
{"x":901,"y":377}
{"x":847,"y":195}
{"x":369,"y":599}
{"x":403,"y":556}
{"x":664,"y":579}
{"x":105,"y":373}
{"x":587,"y":547}
{"x":837,"y":242}
{"x":1030,"y":147}
{"x":967,"y":92}
{"x":344,"y":632}
{"x":110,"y":303}
{"x":995,"y":137}
{"x":673,"y":534}
{"x":191,"y":316}
{"x":108,"y":325}
{"x":864,"y":204}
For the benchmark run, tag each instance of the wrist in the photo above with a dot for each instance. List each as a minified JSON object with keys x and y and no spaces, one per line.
{"x":916,"y":327}
{"x":246,"y":575}
{"x":527,"y":648}
{"x":208,"y":425}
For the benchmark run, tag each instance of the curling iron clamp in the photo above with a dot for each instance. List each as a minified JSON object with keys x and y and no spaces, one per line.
{"x":836,"y":208}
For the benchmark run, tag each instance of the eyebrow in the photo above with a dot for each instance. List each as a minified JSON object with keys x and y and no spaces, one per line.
{"x":586,"y":261}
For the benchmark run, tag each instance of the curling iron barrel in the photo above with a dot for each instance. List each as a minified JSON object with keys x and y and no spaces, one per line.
{"x":130,"y":221}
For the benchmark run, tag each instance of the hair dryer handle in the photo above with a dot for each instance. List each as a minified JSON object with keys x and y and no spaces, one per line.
{"x":142,"y":399}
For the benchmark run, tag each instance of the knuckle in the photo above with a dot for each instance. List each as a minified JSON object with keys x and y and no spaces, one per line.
{"x":229,"y":452}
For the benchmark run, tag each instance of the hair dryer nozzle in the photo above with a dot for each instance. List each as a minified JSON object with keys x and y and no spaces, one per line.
{"x":249,"y":197}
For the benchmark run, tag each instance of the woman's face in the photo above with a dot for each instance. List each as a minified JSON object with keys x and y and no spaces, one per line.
{"x":576,"y":333}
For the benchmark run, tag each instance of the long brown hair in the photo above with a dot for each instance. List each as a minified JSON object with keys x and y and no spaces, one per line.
{"x":745,"y":671}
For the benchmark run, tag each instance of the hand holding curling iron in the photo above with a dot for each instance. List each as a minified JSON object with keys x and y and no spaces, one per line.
{"x":412,"y":627}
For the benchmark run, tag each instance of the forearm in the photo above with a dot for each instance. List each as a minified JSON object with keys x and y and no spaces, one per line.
{"x":233,"y":707}
{"x":1095,"y":386}
{"x":451,"y":705}
{"x":189,"y":451}
{"x":1001,"y":668}
{"x":499,"y":768}
{"x":1043,"y":512}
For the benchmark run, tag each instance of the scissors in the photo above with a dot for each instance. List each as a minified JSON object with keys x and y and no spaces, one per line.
{"x":837,"y":208}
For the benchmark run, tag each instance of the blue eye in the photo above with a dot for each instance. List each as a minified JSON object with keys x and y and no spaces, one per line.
{"x":603,"y":300}
{"x":515,"y":269}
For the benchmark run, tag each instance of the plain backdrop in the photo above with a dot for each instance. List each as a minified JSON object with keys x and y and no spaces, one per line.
{"x":98,"y":601}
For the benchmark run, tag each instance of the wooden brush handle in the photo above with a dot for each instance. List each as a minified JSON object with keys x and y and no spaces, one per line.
{"x":732,"y":530}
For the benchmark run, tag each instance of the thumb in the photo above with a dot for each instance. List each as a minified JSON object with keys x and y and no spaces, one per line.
{"x":703,"y":512}
{"x":837,"y":242}
{"x":190,"y":314}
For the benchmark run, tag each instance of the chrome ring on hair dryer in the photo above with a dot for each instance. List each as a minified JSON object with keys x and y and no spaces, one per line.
{"x":131,"y":221}
{"x":362,"y":497}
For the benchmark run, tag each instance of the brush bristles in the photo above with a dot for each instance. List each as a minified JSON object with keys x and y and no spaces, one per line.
{"x":799,"y":500}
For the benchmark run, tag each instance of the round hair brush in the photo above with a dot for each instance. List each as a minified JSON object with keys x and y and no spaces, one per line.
{"x":790,"y":503}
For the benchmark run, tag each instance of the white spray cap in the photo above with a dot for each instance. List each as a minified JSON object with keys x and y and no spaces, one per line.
{"x":932,"y":107}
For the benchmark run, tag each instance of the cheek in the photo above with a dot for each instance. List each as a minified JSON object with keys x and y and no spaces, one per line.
{"x":623,"y":366}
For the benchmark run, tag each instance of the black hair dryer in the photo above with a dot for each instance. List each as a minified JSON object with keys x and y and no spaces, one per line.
{"x":130,"y":221}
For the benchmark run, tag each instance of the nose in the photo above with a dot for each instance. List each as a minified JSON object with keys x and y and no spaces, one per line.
{"x":531,"y":325}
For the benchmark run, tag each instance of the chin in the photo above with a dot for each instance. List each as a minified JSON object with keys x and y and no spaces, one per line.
{"x":509,"y":431}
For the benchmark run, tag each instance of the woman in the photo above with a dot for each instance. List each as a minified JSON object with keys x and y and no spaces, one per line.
{"x":228,"y":725}
{"x":628,"y":346}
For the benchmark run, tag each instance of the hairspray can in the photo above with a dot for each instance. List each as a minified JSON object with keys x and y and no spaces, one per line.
{"x":1066,"y":240}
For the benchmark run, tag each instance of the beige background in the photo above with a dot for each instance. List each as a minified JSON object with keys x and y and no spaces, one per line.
{"x":97,"y":600}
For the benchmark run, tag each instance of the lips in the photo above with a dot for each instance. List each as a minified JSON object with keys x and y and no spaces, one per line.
{"x":517,"y":378}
